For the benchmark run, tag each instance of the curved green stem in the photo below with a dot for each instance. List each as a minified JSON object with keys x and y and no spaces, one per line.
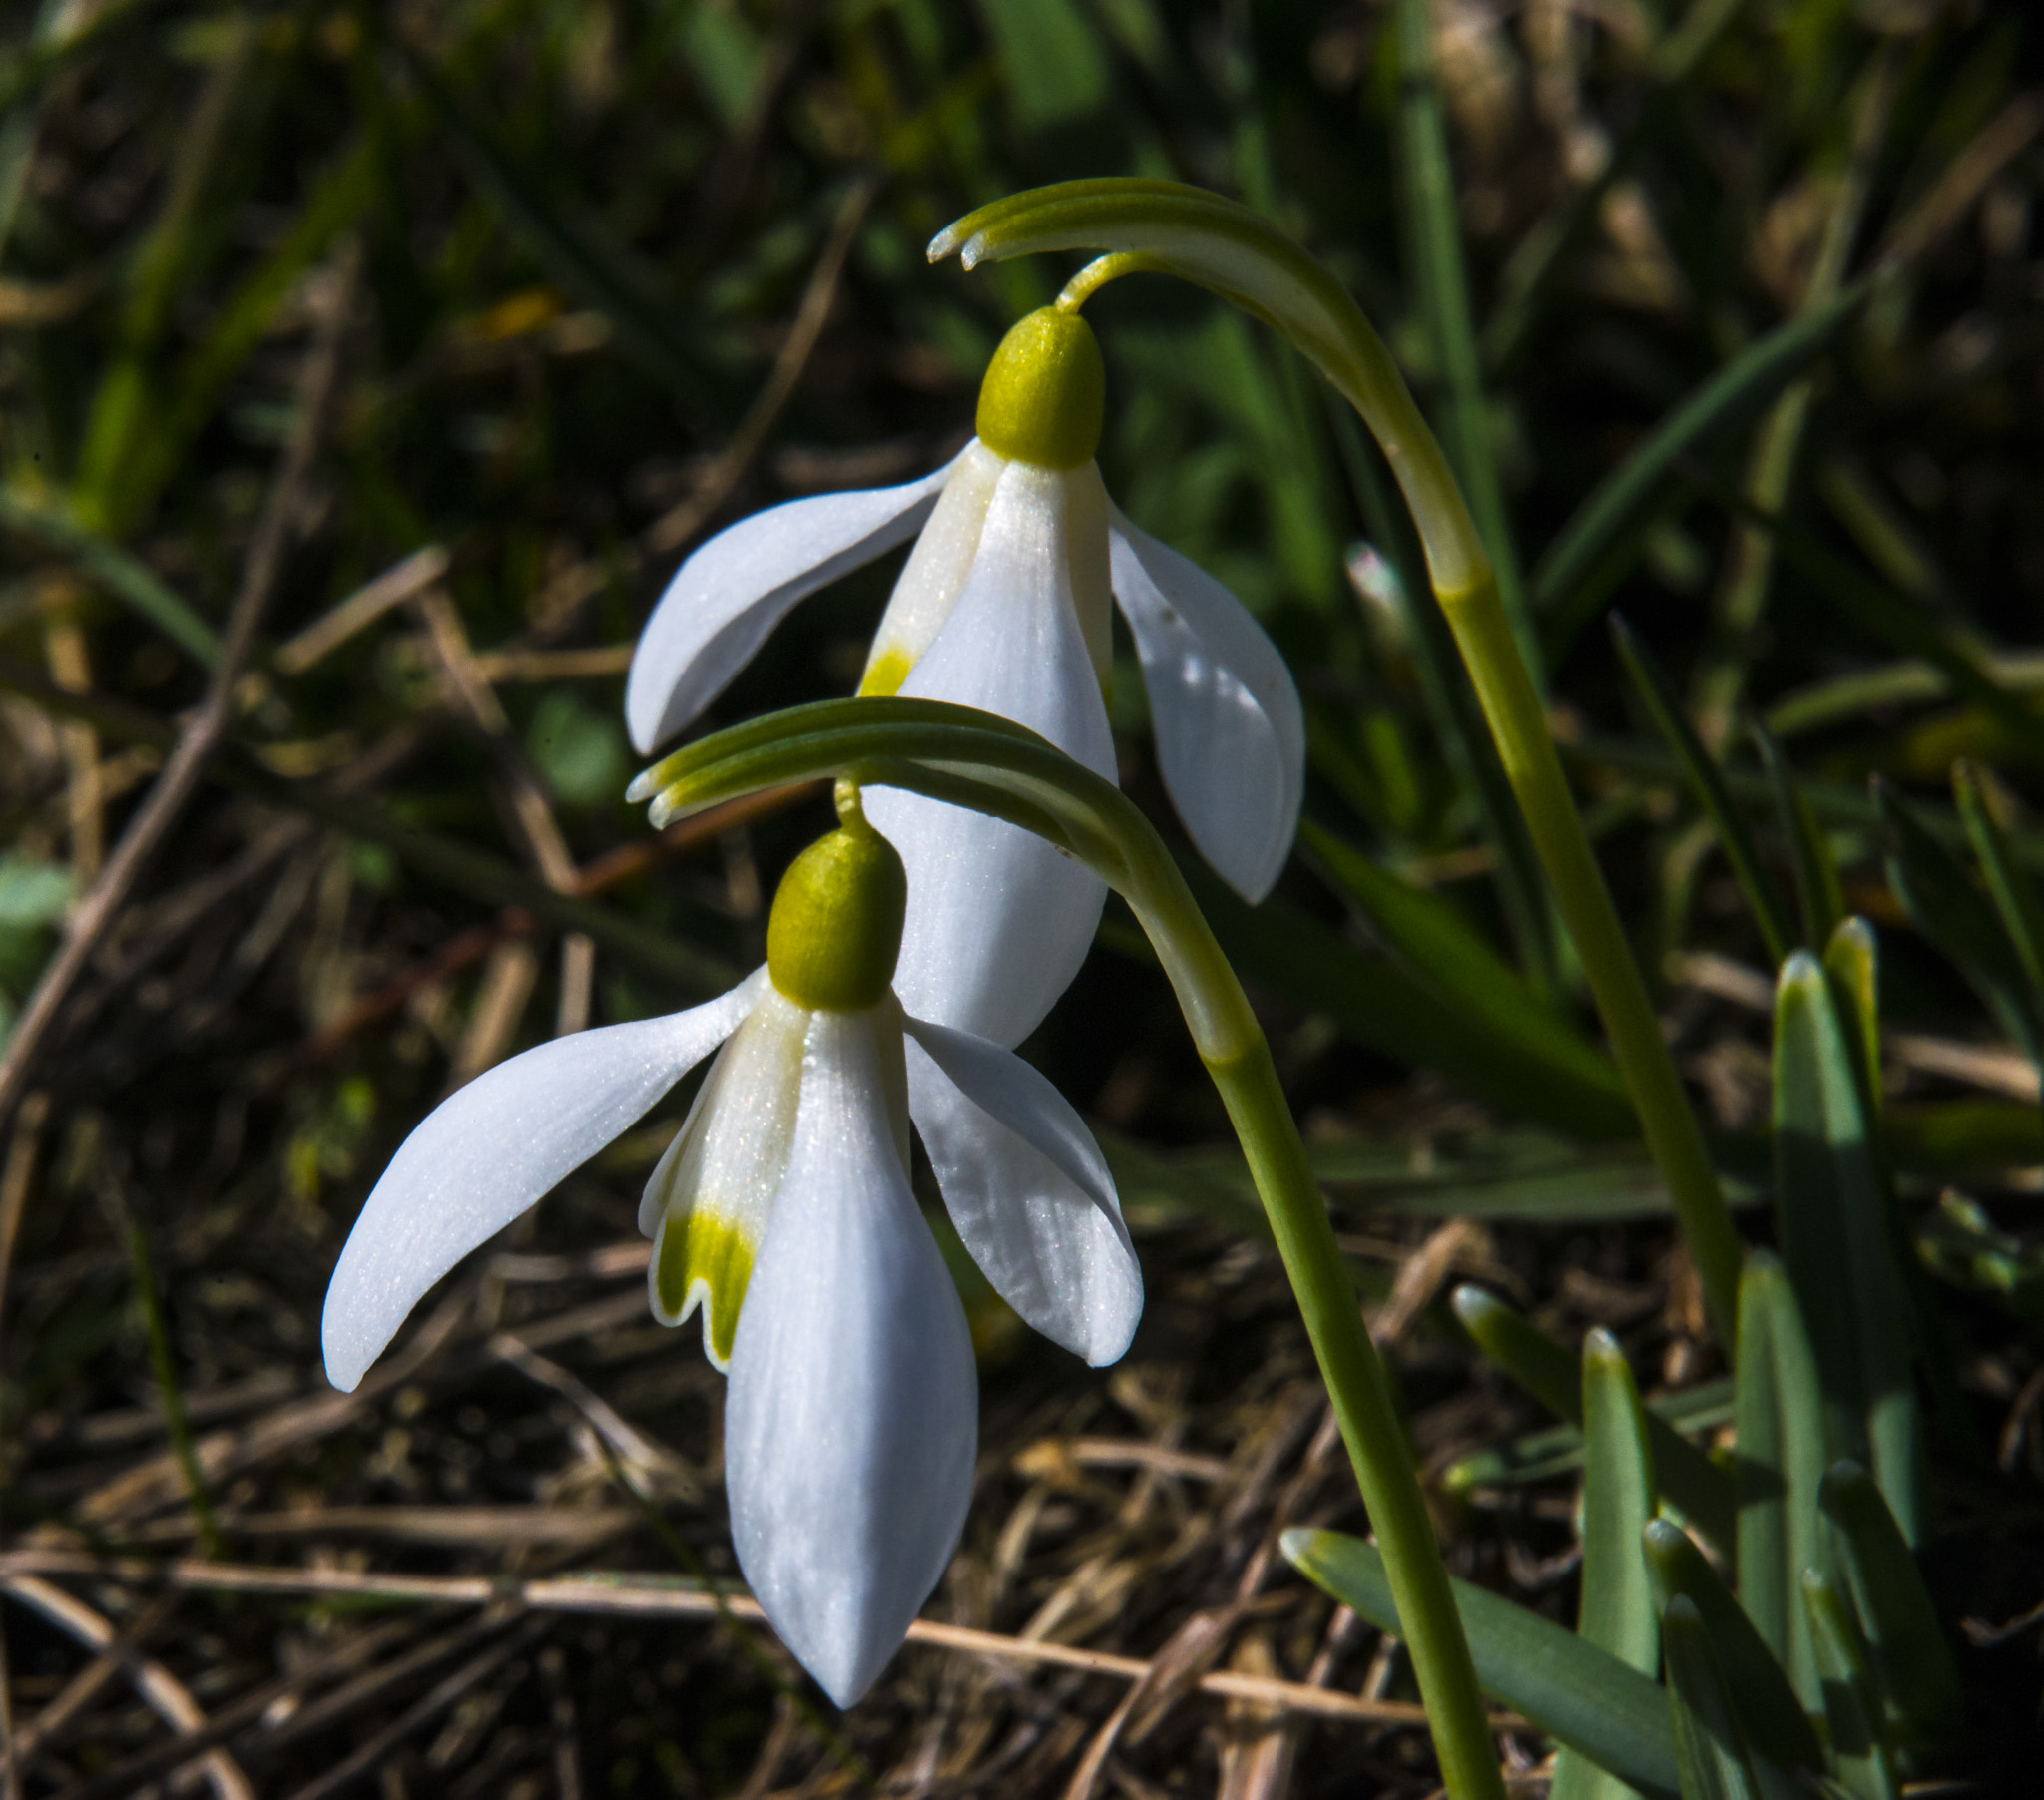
{"x":972,"y":759}
{"x":1230,"y":251}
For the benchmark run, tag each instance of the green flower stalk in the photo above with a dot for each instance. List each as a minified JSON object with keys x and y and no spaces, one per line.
{"x":992,"y":765}
{"x":1166,"y":227}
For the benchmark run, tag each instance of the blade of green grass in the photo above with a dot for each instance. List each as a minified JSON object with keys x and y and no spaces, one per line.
{"x":1871,"y":606}
{"x":1859,"y":1750}
{"x":1446,"y":953}
{"x":1376,"y":1003}
{"x":561,"y":238}
{"x":1709,"y":1745}
{"x":1545,"y":1369}
{"x":1451,"y":702}
{"x":1781,"y":1433}
{"x":1817,"y":895}
{"x":1579,"y":1696}
{"x":1911,"y":1660}
{"x":1957,"y":919}
{"x":1558,"y":1448}
{"x":1426,"y":181}
{"x":1663,"y":706}
{"x":1983,"y":809}
{"x":127,"y":577}
{"x":1624,"y":497}
{"x":1761,"y":1693}
{"x":1832,"y":1218}
{"x":1615,"y":1611}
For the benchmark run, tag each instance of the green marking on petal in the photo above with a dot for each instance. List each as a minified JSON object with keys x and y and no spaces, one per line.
{"x":710,"y":1260}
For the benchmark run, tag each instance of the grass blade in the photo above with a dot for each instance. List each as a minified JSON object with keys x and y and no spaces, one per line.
{"x":1957,"y":919}
{"x":1859,"y":1751}
{"x":1561,"y":594}
{"x":1441,"y":302}
{"x":1911,"y":1660}
{"x":1983,"y":810}
{"x":1657,"y":693}
{"x":1833,"y":1221}
{"x":1818,"y":897}
{"x":1451,"y":703}
{"x":1709,"y":1745}
{"x":1778,"y":1412}
{"x":1580,"y":1695}
{"x":1760,"y":1688}
{"x":127,"y":577}
{"x":1616,"y":1612}
{"x":1686,"y":1476}
{"x":569,"y":247}
{"x":1376,"y":1002}
{"x":1431,"y":937}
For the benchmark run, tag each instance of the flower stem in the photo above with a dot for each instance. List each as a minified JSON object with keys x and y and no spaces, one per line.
{"x":1237,"y":1057}
{"x":1230,"y":250}
{"x":1370,"y":1425}
{"x":1519,"y":725}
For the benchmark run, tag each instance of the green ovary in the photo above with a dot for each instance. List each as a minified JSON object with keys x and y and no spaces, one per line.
{"x":705,"y":1248}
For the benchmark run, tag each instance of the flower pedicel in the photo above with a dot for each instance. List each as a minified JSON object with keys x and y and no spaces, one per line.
{"x":783,"y":1212}
{"x":1004,"y":605}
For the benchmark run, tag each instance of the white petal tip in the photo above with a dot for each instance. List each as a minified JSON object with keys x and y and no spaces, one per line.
{"x":942,"y":244}
{"x":644,"y":787}
{"x":975,"y":248}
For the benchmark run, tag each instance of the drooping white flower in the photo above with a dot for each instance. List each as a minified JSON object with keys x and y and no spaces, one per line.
{"x":1004,"y":605}
{"x":781,"y":1212}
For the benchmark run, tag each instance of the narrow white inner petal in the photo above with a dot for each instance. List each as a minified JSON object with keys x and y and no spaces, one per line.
{"x":935,"y":573}
{"x":709,"y":1199}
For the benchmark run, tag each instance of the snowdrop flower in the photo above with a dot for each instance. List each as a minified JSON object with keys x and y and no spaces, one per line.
{"x":1004,"y":605}
{"x":781,"y":1212}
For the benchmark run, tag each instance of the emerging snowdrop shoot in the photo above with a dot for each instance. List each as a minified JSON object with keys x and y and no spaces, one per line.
{"x":781,"y":1212}
{"x":1004,"y":605}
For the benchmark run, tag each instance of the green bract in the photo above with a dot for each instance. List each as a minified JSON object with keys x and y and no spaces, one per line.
{"x":1045,"y":392}
{"x":835,"y":931}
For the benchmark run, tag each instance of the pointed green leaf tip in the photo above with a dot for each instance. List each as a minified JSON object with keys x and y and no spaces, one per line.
{"x":1045,"y":392}
{"x":835,"y":930}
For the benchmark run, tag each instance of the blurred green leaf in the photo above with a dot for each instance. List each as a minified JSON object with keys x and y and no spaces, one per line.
{"x":1983,"y":809}
{"x":561,"y":235}
{"x":1056,"y":68}
{"x":1440,"y":285}
{"x":1859,"y":1750}
{"x":1818,"y":897}
{"x":127,"y":577}
{"x":1957,"y":919}
{"x":1663,"y":706}
{"x":32,"y":892}
{"x":1709,"y":1744}
{"x":1558,"y":1448}
{"x":1760,"y":1690}
{"x":1912,"y":1663}
{"x":1616,"y":1612}
{"x":580,"y":751}
{"x":1443,"y":951}
{"x":1545,"y":1369}
{"x":1833,"y":1220}
{"x":1780,"y":1445}
{"x":1578,"y":1694}
{"x":1376,"y":1003}
{"x":1563,"y":594}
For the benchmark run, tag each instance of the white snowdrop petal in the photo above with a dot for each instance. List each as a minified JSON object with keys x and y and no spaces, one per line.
{"x":998,"y":922}
{"x":1028,"y":1190}
{"x":486,"y":1154}
{"x":736,"y":589}
{"x":1231,"y":740}
{"x":852,"y":1421}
